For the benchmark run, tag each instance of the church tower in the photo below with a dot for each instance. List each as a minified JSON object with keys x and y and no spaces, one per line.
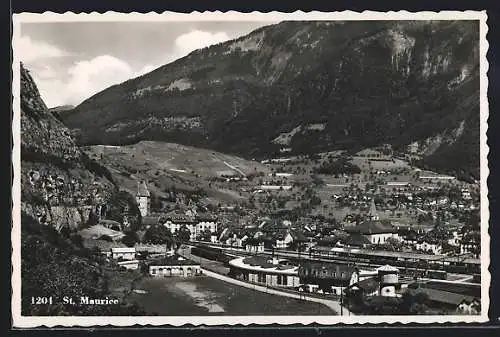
{"x":373,"y":215}
{"x":143,"y":198}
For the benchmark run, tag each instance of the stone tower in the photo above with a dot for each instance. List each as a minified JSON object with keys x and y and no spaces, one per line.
{"x":143,"y":198}
{"x":373,"y":215}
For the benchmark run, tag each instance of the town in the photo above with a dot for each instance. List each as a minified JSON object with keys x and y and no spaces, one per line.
{"x":368,"y":233}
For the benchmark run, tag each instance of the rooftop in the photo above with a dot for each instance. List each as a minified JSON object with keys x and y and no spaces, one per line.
{"x":441,"y":296}
{"x":372,"y":227}
{"x":368,"y":285}
{"x":150,"y":220}
{"x":123,"y":250}
{"x":356,"y":239}
{"x":338,"y":271}
{"x":142,"y":189}
{"x":173,"y":261}
{"x":257,"y":263}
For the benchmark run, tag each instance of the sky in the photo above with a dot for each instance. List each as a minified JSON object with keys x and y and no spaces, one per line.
{"x":71,"y":61}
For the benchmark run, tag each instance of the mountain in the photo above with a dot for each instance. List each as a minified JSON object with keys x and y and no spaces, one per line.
{"x":61,"y":108}
{"x":61,"y":190}
{"x":311,"y":86}
{"x":56,"y":111}
{"x":60,"y":185}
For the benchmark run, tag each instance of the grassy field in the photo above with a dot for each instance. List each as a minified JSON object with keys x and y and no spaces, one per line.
{"x":164,"y":165}
{"x":206,"y":296}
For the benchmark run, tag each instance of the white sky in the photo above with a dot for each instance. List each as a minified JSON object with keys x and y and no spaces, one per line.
{"x":72,"y":61}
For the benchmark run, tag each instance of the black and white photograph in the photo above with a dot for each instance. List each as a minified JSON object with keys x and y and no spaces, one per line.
{"x":231,"y":168}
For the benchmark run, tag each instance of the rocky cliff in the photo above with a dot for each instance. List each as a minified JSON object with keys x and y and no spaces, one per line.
{"x":61,"y":189}
{"x":61,"y":186}
{"x":310,"y":86}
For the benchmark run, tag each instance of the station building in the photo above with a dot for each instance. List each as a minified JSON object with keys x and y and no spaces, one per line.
{"x":329,"y":277}
{"x":266,"y":271}
{"x":174,"y":266}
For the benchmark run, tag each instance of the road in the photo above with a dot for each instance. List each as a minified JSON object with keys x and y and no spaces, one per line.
{"x":334,"y":305}
{"x":216,"y":270}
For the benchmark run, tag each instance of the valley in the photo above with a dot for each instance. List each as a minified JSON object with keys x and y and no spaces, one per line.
{"x":339,"y":159}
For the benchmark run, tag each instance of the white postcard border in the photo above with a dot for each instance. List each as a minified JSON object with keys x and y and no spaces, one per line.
{"x":20,"y":321}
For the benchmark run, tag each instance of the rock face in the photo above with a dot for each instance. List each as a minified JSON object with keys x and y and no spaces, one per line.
{"x":318,"y":85}
{"x":61,"y":186}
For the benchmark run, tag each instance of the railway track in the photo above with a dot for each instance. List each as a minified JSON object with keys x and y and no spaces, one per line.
{"x":407,"y":268}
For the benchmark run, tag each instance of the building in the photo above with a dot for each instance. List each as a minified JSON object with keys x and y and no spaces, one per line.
{"x":129,"y":264}
{"x":383,"y":281}
{"x":388,"y":279}
{"x":469,"y":306}
{"x":471,"y":243}
{"x":267,"y":271}
{"x":254,"y":245}
{"x":367,"y":287}
{"x":123,"y":253}
{"x":429,"y":246}
{"x":143,"y":198}
{"x":450,"y":301}
{"x":374,"y":230}
{"x":153,"y":249}
{"x":331,"y":278}
{"x":174,"y":266}
{"x":151,"y":220}
{"x":196,"y":224}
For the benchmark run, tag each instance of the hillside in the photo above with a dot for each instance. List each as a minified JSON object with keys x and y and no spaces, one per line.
{"x":311,"y":86}
{"x":62,"y":190}
{"x":167,"y":166}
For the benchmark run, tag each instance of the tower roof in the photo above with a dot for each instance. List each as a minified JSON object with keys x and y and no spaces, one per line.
{"x":373,"y":209}
{"x":142,"y":189}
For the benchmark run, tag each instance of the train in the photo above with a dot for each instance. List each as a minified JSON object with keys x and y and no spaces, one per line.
{"x":426,"y":265}
{"x":211,"y":253}
{"x":401,"y":260}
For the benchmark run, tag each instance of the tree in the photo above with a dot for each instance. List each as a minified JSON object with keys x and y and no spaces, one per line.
{"x":119,"y":201}
{"x":183,"y":234}
{"x":93,"y":219}
{"x":414,"y":303}
{"x":156,"y":203}
{"x":130,"y":239}
{"x":393,"y":244}
{"x":159,"y":235}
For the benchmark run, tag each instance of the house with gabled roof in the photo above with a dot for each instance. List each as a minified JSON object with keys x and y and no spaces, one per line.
{"x":374,"y":230}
